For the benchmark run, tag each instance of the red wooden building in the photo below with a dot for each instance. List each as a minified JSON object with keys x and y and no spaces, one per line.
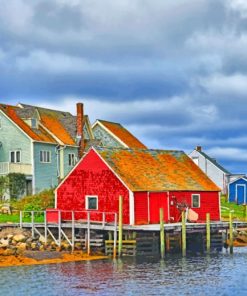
{"x":147,"y":180}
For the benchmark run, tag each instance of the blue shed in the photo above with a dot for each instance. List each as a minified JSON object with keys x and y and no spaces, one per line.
{"x":237,"y":191}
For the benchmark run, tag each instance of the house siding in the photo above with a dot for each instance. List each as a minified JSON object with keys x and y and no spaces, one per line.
{"x":106,"y":139}
{"x":93,"y":177}
{"x":45,"y":173}
{"x":67,"y":151}
{"x":13,"y":139}
{"x":214,"y":173}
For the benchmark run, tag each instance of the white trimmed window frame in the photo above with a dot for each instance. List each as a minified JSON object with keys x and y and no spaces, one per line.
{"x":87,"y":202}
{"x":45,"y":158}
{"x":199,"y":200}
{"x":14,"y":152}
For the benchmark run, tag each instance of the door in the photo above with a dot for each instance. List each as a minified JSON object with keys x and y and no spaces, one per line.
{"x":157,"y":200}
{"x":240,"y":188}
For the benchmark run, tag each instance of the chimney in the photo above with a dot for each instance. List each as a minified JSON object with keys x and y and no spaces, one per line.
{"x":79,"y":126}
{"x":198,"y":148}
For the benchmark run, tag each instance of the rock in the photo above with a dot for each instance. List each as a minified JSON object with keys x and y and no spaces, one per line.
{"x":19,"y":238}
{"x":65,"y":246}
{"x":10,"y":236}
{"x":21,"y":246}
{"x":4,"y":242}
{"x":42,"y":239}
{"x":33,"y":246}
{"x":41,"y":248}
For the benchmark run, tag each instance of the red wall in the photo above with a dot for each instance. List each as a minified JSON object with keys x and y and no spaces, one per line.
{"x":93,"y":177}
{"x":209,"y":203}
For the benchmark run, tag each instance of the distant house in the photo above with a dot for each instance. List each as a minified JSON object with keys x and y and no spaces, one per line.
{"x":238,"y":191}
{"x":217,"y":173}
{"x":147,"y":179}
{"x":112,"y":134}
{"x":42,"y":144}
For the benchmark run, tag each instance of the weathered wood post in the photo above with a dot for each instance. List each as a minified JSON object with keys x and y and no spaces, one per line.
{"x":59,"y":227}
{"x":230,"y":233}
{"x":162,"y":234}
{"x":208,"y":239}
{"x":32,"y":221}
{"x":115,"y":237}
{"x":20,"y":219}
{"x":88,"y":233}
{"x":183,"y":234}
{"x":73,"y":230}
{"x":120,"y":226}
{"x":45,"y":224}
{"x":245,"y":212}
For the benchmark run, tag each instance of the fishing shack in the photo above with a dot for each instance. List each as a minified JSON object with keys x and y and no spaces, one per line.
{"x":237,"y":191}
{"x":146,"y":179}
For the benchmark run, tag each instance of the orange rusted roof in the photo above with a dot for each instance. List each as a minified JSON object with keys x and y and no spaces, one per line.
{"x":36,"y":134}
{"x":156,"y":170}
{"x":123,"y":134}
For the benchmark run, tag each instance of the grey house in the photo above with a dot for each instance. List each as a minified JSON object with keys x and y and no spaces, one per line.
{"x":217,"y":173}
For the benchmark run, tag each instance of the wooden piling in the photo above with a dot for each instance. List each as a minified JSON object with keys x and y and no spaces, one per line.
{"x":32,"y":221}
{"x":120,"y":226}
{"x":88,"y":233}
{"x":21,"y":219}
{"x":245,"y":212}
{"x":59,"y":228}
{"x":230,"y":233}
{"x":115,"y":237}
{"x":183,"y":234}
{"x":162,"y":234}
{"x":208,"y":239}
{"x":73,"y":230}
{"x":45,"y":224}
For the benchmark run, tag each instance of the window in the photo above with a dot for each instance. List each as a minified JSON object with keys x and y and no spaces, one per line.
{"x":195,"y":200}
{"x":15,"y":156}
{"x":91,"y":202}
{"x":72,"y":159}
{"x":45,"y":156}
{"x":34,"y":123}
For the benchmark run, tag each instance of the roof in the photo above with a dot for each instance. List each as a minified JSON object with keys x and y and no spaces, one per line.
{"x":55,"y":126}
{"x":214,"y":162}
{"x":122,"y":134}
{"x":240,"y":178}
{"x":156,"y":170}
{"x":39,"y":134}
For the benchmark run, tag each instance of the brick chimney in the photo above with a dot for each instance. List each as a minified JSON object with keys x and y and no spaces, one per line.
{"x":79,"y":127}
{"x":198,"y":148}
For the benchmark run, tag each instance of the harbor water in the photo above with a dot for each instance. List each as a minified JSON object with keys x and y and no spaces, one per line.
{"x":214,"y":274}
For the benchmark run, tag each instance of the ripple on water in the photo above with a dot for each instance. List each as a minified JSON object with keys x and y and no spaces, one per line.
{"x":217,"y":274}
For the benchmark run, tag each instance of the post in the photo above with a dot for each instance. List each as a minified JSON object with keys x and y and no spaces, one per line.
{"x":32,"y":221}
{"x":120,"y":226}
{"x":245,"y":212}
{"x":208,"y":232}
{"x":103,"y":222}
{"x":45,"y":223}
{"x":162,"y":234}
{"x":183,"y":234}
{"x":59,"y":228}
{"x":73,"y":230}
{"x":115,"y":237}
{"x":88,"y":233}
{"x":21,"y":219}
{"x":230,"y":233}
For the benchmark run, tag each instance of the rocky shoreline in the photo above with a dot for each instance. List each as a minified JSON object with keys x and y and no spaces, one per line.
{"x":17,"y":247}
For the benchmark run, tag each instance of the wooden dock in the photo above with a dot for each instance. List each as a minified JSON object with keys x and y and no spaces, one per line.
{"x":120,"y":239}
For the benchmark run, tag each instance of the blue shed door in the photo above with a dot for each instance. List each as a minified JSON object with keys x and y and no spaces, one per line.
{"x":241,"y":194}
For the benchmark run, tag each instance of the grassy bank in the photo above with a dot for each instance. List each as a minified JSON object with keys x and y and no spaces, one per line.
{"x":238,"y":211}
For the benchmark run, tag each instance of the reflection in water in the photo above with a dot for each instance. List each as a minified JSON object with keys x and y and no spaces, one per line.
{"x":217,"y":274}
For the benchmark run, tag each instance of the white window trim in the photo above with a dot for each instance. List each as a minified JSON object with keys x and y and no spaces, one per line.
{"x":49,"y":152}
{"x":15,"y":152}
{"x":97,"y":202}
{"x":198,"y":200}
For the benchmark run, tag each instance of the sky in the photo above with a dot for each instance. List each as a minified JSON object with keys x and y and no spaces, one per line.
{"x":173,"y":72}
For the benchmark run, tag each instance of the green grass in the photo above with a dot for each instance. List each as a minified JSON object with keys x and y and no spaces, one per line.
{"x":15,"y":218}
{"x":238,"y":211}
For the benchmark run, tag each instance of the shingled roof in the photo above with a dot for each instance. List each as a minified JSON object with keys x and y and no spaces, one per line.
{"x":156,"y":170}
{"x":122,"y":134}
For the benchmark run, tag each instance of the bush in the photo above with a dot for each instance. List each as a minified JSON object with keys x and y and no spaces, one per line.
{"x":37,"y":202}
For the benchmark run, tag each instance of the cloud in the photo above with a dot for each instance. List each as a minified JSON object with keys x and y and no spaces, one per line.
{"x":174,"y":72}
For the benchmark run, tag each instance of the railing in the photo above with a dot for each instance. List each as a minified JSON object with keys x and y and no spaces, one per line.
{"x":22,"y":168}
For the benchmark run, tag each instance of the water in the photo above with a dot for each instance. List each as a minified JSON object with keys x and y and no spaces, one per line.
{"x":218,"y":274}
